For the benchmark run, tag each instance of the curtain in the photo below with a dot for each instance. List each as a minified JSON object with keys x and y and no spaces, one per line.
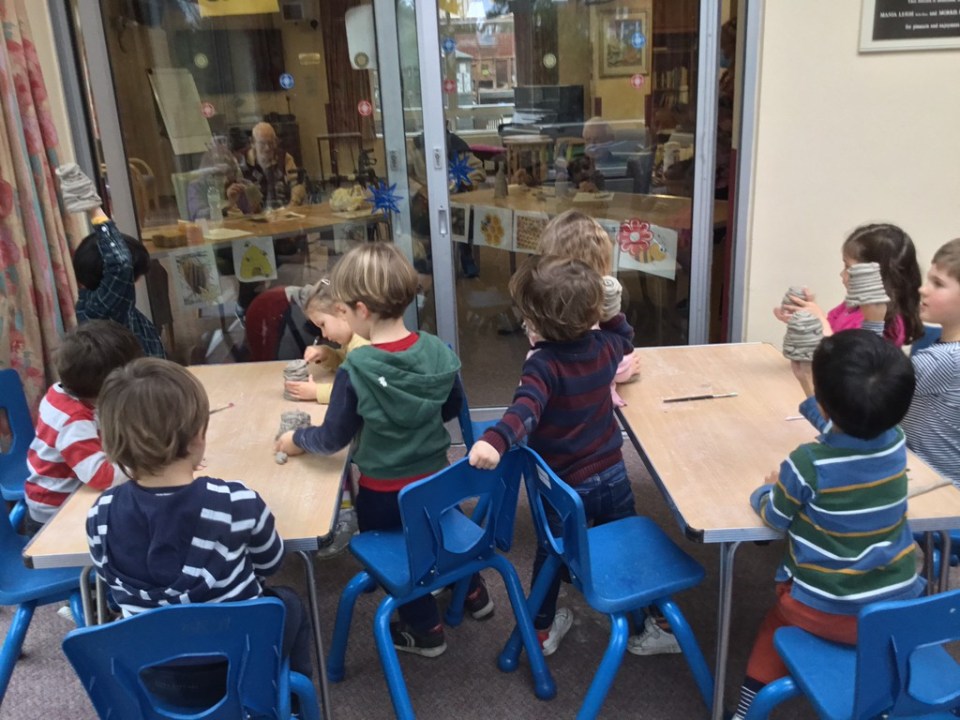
{"x":37,"y":286}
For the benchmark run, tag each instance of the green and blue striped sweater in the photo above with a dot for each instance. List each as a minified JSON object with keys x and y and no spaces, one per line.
{"x":842,"y":502}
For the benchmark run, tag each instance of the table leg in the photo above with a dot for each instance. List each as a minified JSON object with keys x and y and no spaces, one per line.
{"x":317,"y":637}
{"x":727,"y":552}
{"x":101,"y":601}
{"x":85,"y":599}
{"x":945,"y":550}
{"x":928,"y":568}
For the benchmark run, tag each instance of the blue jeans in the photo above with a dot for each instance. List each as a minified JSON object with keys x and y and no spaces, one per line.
{"x":606,"y":496}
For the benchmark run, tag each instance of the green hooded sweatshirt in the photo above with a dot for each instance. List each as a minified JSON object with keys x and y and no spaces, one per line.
{"x":399,"y":397}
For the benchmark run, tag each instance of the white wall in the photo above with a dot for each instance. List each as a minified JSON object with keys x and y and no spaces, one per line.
{"x":844,"y":139}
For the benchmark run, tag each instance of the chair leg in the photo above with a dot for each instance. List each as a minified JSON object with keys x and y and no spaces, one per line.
{"x":544,"y":686}
{"x":612,"y":658}
{"x":510,"y":655}
{"x":389,"y":660}
{"x":454,"y":614}
{"x":301,"y":686}
{"x":770,"y":696}
{"x":691,"y":648}
{"x":362,"y":582}
{"x":14,"y":642}
{"x":76,"y":608}
{"x":16,"y":513}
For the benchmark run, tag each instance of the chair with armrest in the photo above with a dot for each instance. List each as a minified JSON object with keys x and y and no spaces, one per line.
{"x":118,"y":664}
{"x":621,"y":568}
{"x":437,"y":546}
{"x":898,"y":669}
{"x":13,"y":462}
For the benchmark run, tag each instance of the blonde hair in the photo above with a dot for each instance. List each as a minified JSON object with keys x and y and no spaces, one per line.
{"x":321,"y":298}
{"x":378,"y":275}
{"x":560,"y":296}
{"x":947,"y":259}
{"x":150,"y":410}
{"x":573,"y":234}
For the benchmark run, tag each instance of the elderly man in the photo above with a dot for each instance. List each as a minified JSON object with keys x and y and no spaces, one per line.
{"x":272,"y":170}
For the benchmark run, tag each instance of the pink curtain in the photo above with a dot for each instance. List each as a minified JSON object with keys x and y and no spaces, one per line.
{"x":37,"y":286}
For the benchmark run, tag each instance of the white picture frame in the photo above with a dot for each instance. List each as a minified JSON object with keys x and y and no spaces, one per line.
{"x":493,"y":227}
{"x":460,"y":222}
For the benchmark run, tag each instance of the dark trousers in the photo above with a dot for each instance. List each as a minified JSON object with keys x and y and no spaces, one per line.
{"x":297,"y":630}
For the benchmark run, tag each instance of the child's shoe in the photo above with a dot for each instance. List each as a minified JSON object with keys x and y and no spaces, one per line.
{"x":478,"y":603}
{"x":77,"y":190}
{"x":551,"y":637}
{"x":406,"y":639}
{"x":653,"y":640}
{"x":345,"y":530}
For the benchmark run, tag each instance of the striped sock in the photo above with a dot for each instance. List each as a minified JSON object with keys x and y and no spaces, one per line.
{"x":748,"y":691}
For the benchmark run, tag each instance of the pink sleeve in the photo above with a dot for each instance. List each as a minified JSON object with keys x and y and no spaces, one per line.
{"x":844,"y":318}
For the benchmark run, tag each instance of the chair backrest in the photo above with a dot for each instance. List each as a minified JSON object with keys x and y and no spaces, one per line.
{"x":902,"y":667}
{"x":14,"y":402}
{"x":466,"y":424}
{"x":547,"y":493}
{"x":440,"y":537}
{"x":931,"y":333}
{"x":110,"y":659}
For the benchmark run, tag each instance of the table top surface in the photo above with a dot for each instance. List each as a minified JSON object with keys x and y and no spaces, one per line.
{"x":709,"y":455}
{"x":303,"y":494}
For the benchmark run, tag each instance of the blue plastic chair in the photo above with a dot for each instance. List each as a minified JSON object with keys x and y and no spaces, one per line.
{"x":470,"y":429}
{"x":26,"y":589}
{"x":13,"y":463}
{"x":111,"y":659}
{"x":931,"y":333}
{"x":898,"y":669}
{"x":437,"y":546}
{"x":620,"y":567}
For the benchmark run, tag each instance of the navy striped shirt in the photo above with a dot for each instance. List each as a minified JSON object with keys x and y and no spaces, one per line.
{"x":209,"y":541}
{"x":932,"y":423}
{"x":563,"y":404}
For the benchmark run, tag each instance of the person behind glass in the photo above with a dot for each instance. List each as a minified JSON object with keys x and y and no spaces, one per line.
{"x":168,"y":537}
{"x":272,"y":170}
{"x":841,"y":500}
{"x":394,"y":396}
{"x":107,"y":265}
{"x":222,"y":172}
{"x":563,"y":405}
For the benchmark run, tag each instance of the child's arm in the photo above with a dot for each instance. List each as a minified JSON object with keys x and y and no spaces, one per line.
{"x":79,"y":444}
{"x":339,"y":427}
{"x":266,"y":547}
{"x":936,"y":372}
{"x":451,"y":407}
{"x":115,"y":295}
{"x":785,"y":493}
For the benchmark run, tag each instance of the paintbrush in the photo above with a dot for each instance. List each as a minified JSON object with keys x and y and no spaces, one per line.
{"x":688,"y":398}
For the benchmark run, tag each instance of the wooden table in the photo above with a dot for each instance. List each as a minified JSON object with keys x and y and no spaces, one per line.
{"x":304,"y":494}
{"x":707,"y":456}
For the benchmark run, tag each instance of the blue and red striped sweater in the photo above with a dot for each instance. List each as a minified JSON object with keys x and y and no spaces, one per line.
{"x":563,"y":405}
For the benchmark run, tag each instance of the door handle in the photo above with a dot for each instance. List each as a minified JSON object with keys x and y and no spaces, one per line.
{"x":442,"y":222}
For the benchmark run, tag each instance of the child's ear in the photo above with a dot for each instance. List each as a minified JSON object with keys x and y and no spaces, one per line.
{"x":362,"y":310}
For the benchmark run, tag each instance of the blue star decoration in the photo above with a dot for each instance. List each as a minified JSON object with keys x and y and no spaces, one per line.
{"x":385,"y":198}
{"x":459,"y":171}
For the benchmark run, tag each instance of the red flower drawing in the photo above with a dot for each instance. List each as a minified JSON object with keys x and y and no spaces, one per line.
{"x":634,"y":237}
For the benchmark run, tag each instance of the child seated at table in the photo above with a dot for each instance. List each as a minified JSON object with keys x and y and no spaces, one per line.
{"x":842,"y":501}
{"x":394,"y":395}
{"x":166,"y":537}
{"x":66,"y":451}
{"x":563,"y":405}
{"x":321,"y":309}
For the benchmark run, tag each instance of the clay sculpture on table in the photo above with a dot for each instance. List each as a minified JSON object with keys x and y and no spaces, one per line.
{"x":291,"y":420}
{"x":295,"y":371}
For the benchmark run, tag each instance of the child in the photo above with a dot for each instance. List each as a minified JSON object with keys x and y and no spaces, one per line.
{"x":572,"y":234}
{"x":842,"y":502}
{"x":165,"y":537}
{"x":66,"y":450}
{"x":107,"y":265}
{"x":893,"y":250}
{"x":394,"y":394}
{"x":321,"y":309}
{"x":563,"y":404}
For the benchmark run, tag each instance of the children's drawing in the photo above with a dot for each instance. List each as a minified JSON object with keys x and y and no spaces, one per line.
{"x":527,"y":228}
{"x":254,"y":259}
{"x":492,"y":226}
{"x":648,"y":248}
{"x":613,"y":230}
{"x":196,"y":277}
{"x":459,"y":222}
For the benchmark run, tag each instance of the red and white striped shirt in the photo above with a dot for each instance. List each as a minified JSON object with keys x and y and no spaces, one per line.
{"x":65,"y":453}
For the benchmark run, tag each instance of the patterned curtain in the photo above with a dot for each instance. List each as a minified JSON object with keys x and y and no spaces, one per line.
{"x":37,"y":286}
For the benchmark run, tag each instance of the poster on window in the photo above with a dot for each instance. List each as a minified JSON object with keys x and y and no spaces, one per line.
{"x":254,"y":259}
{"x":196,"y":279}
{"x":527,"y":229}
{"x":613,"y":228}
{"x":887,"y":25}
{"x":648,"y":248}
{"x":220,"y":8}
{"x":460,"y":222}
{"x":493,"y":227}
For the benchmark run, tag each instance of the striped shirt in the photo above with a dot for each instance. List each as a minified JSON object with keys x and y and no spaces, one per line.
{"x":842,"y":502}
{"x":65,"y":453}
{"x":564,"y":404}
{"x":209,"y":541}
{"x":932,"y":423}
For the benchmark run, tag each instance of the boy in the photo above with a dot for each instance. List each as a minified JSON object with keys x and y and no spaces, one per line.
{"x":394,"y":394}
{"x":66,"y":450}
{"x":107,"y":265}
{"x":166,"y":538}
{"x":842,"y":502}
{"x":564,"y":404}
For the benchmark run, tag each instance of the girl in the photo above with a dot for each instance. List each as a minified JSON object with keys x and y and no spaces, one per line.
{"x":892,"y":249}
{"x":321,"y":309}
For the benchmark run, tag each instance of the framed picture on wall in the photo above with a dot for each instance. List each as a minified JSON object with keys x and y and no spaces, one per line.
{"x":624,"y":42}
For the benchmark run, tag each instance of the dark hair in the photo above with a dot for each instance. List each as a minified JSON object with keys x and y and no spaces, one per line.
{"x":88,"y":354}
{"x":560,"y":297}
{"x":88,"y":264}
{"x":891,"y":248}
{"x":863,"y":382}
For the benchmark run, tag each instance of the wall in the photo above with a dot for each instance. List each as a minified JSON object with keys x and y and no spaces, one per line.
{"x":38,"y":16}
{"x":844,"y":139}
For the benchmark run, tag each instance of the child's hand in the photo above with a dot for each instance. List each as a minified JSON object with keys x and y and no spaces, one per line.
{"x":286,"y":445}
{"x":316,"y":353}
{"x":774,"y":475}
{"x":803,"y":372}
{"x":874,"y":312}
{"x":306,"y":390}
{"x":484,"y":456}
{"x":810,"y":305}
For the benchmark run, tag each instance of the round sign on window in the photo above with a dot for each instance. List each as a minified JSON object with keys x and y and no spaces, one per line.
{"x":201,"y":60}
{"x":361,"y":59}
{"x":365,"y":108}
{"x":286,"y":81}
{"x":208,"y":110}
{"x":549,"y":61}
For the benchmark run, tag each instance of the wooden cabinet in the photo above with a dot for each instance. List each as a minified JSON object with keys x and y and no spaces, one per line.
{"x":674,"y":39}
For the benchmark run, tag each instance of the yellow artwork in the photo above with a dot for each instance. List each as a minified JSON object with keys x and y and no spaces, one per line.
{"x":255,"y":264}
{"x":220,"y":8}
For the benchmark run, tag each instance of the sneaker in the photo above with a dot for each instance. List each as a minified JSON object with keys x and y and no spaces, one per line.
{"x":551,"y":637}
{"x":406,"y":639}
{"x":65,"y":612}
{"x":653,"y":640}
{"x":345,"y":530}
{"x":479,"y":604}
